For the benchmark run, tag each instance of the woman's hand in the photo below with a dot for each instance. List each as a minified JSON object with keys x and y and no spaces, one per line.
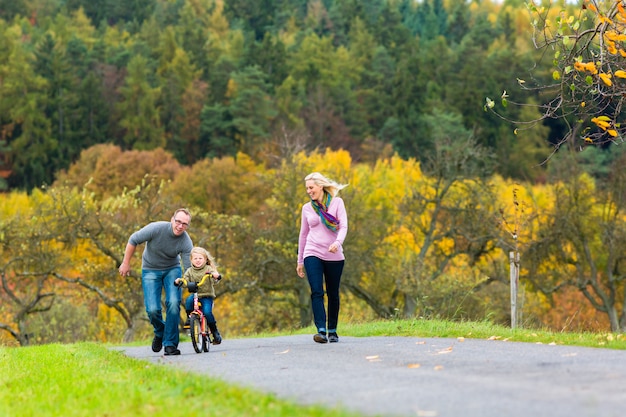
{"x":333,"y":248}
{"x":300,"y":271}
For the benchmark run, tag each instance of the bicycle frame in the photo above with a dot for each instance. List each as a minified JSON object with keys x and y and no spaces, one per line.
{"x":199,"y":329}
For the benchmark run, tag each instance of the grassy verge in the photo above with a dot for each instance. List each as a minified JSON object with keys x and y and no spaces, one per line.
{"x":88,"y":379}
{"x":472,"y":330}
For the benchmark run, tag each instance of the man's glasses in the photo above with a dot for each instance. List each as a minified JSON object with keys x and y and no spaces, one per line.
{"x":181,"y":223}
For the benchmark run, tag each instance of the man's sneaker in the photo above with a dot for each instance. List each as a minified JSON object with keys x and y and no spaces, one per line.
{"x":171,"y":350}
{"x":217,"y":338}
{"x":333,"y":338}
{"x":320,"y":338}
{"x":157,"y":344}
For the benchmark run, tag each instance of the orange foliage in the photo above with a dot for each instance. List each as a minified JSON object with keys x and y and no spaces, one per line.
{"x":571,"y":311}
{"x":111,"y":170}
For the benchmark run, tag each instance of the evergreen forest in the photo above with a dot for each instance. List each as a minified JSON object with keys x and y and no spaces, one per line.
{"x":114,"y":113}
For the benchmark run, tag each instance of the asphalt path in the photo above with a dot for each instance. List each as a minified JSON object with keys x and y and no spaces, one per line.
{"x":424,"y":377}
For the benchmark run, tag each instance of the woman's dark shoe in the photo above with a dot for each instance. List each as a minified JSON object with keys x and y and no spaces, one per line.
{"x":320,"y":338}
{"x":171,"y":350}
{"x":333,"y":338}
{"x":157,"y":344}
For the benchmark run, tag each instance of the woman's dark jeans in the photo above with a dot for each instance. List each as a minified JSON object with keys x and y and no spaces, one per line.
{"x":318,"y":272}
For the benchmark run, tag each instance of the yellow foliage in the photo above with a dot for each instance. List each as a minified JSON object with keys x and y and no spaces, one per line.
{"x":604,"y":19}
{"x":116,"y":37}
{"x":13,"y":203}
{"x":586,"y":66}
{"x":602,"y":122}
{"x":334,"y":164}
{"x":606,"y":78}
{"x":611,"y":35}
{"x":288,"y":36}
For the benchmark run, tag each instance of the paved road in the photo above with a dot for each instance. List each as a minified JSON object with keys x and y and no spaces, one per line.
{"x":424,"y":377}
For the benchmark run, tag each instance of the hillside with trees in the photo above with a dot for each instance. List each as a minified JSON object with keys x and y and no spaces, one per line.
{"x":114,"y":113}
{"x":213,"y":78}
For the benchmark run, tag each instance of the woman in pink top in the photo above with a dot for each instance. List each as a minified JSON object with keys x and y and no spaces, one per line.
{"x":323,"y":228}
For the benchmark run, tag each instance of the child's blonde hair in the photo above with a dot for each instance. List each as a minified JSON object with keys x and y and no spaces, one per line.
{"x":201,"y":251}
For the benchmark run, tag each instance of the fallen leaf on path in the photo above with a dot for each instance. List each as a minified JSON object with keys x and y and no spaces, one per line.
{"x":283,"y":352}
{"x":438,"y":368}
{"x":446,"y":350}
{"x":413,"y":365}
{"x":460,"y":339}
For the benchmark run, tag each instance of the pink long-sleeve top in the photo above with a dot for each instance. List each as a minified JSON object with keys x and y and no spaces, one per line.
{"x":315,"y":237}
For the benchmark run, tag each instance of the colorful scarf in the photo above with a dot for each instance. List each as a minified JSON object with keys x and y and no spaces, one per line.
{"x":321,"y":209}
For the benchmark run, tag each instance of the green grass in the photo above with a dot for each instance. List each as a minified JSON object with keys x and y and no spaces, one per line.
{"x":89,"y":379}
{"x":472,"y":330}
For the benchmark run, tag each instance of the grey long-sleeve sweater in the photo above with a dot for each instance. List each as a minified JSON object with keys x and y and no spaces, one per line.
{"x":164,"y":250}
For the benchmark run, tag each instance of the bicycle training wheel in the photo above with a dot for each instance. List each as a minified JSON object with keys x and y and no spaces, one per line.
{"x":195,"y":331}
{"x":205,"y":336}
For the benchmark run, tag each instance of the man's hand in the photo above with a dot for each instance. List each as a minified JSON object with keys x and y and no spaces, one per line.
{"x":124,"y":270}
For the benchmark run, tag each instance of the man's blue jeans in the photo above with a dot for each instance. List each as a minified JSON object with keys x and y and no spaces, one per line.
{"x":153,"y":283}
{"x":207,"y":307}
{"x":318,"y":272}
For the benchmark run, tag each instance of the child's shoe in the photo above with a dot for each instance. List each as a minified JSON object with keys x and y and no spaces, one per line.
{"x":217,"y":338}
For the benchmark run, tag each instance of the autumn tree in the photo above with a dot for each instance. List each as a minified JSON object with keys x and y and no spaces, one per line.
{"x":107,"y":171}
{"x":31,"y":252}
{"x":445,"y":226}
{"x":585,"y":46}
{"x":582,"y":242}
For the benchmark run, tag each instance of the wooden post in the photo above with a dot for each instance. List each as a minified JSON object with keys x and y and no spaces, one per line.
{"x":514,"y":274}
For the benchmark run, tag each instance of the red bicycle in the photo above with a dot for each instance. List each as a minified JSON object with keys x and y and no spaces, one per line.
{"x":199,"y":331}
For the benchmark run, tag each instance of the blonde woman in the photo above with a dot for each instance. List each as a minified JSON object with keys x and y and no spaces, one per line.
{"x":323,"y":229}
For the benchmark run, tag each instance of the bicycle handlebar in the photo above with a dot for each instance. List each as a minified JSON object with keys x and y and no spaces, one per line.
{"x":193,"y":286}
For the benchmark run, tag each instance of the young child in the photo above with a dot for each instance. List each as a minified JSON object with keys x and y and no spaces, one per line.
{"x":202,"y":263}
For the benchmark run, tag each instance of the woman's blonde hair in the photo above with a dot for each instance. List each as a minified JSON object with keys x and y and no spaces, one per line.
{"x":329,"y":185}
{"x":201,"y":251}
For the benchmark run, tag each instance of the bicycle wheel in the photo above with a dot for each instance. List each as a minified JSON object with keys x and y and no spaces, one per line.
{"x":195,"y":331}
{"x":205,"y":336}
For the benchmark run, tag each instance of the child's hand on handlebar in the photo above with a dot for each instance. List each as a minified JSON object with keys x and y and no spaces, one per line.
{"x":178,"y":282}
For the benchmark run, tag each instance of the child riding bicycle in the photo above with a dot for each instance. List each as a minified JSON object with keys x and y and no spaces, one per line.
{"x":202,"y":263}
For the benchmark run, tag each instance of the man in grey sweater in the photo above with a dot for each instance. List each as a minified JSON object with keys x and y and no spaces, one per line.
{"x":167,"y":243}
